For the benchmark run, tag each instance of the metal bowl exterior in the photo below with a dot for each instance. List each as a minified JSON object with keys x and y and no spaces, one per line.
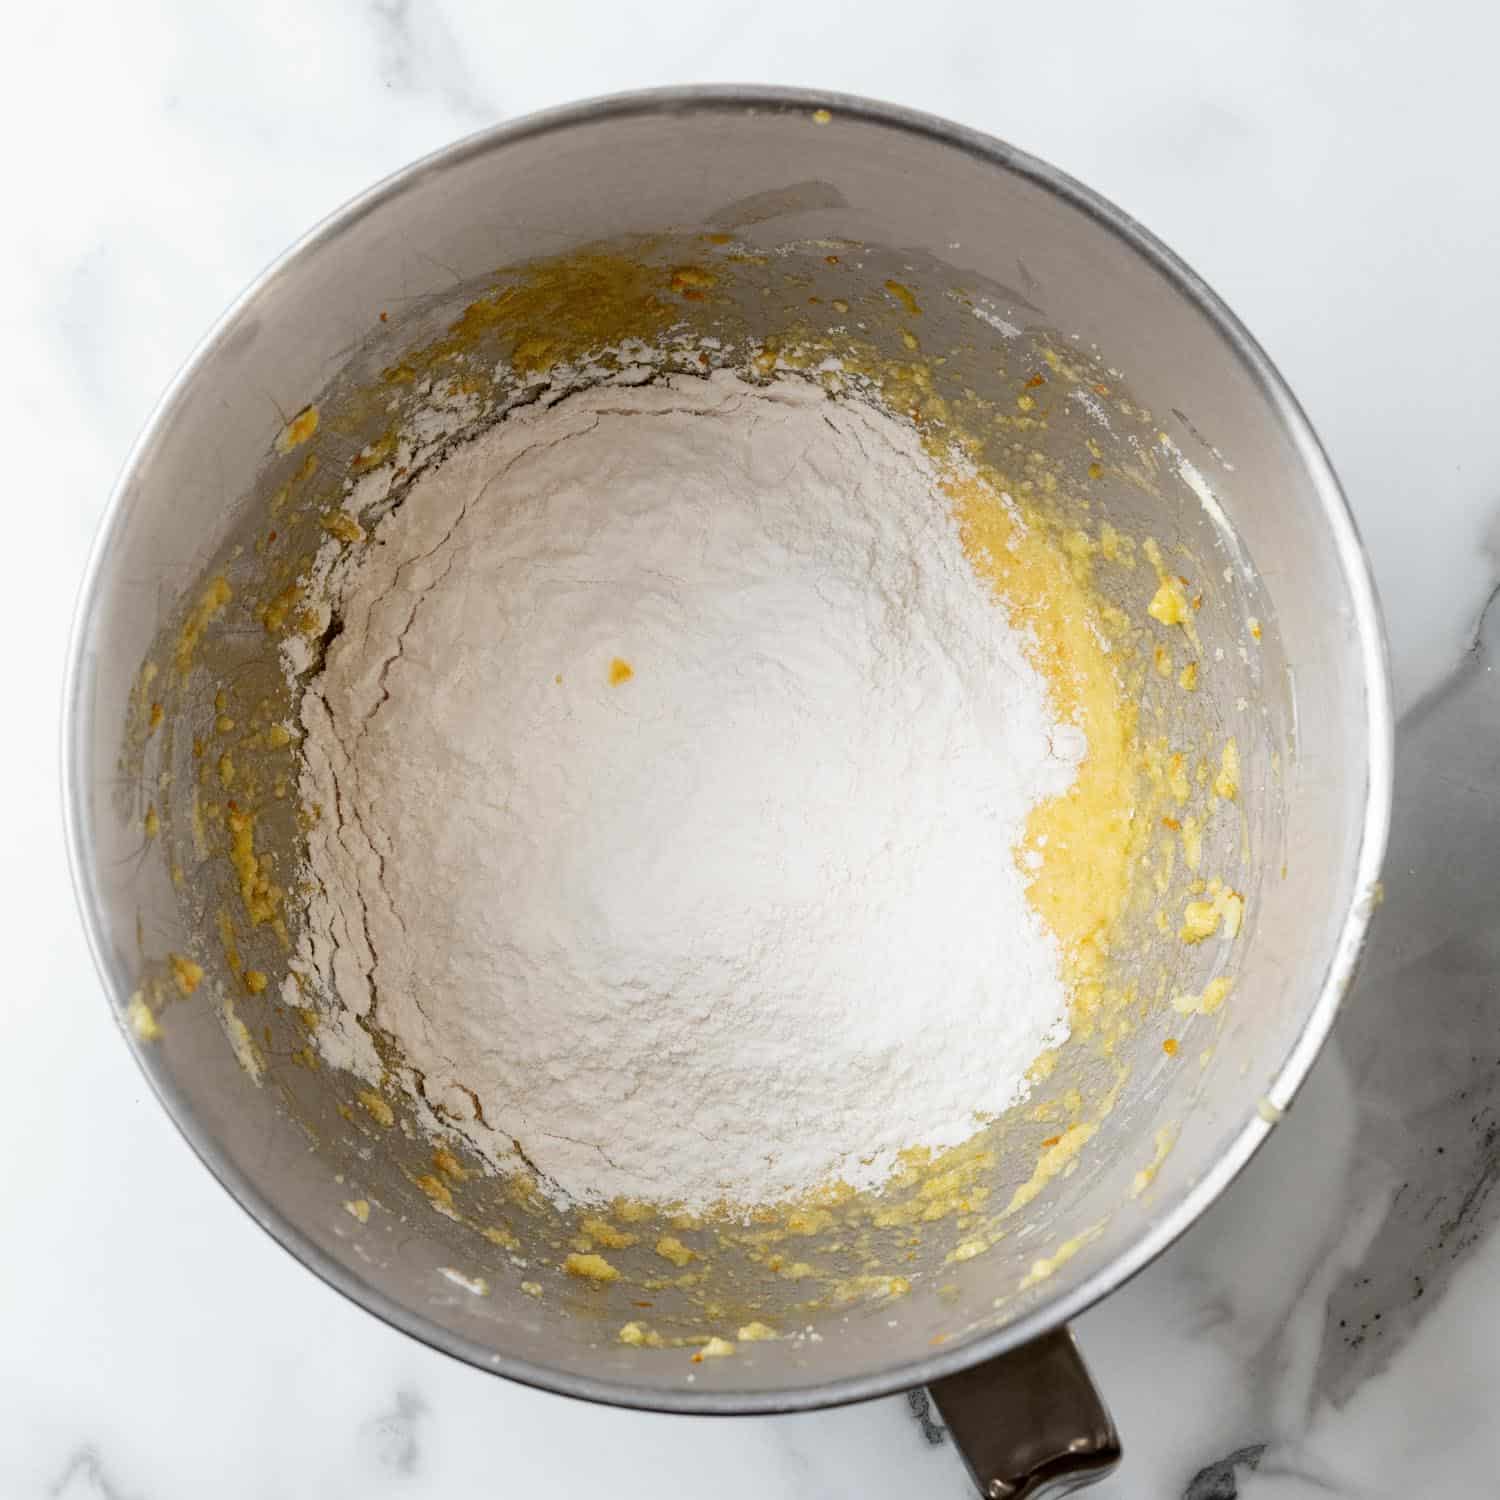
{"x":102,"y":656}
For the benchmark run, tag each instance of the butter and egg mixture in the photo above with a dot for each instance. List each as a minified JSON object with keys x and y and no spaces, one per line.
{"x":700,"y":802}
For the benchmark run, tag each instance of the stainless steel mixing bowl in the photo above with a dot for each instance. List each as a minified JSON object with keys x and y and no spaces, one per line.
{"x":1032,"y":255}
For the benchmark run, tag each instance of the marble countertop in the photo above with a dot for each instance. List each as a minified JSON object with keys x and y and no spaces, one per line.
{"x":1332,"y":1327}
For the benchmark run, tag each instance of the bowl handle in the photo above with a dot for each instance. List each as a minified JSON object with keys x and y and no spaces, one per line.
{"x":1030,"y":1424}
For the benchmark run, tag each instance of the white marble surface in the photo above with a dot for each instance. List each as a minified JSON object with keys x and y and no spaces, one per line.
{"x":1329,"y":169}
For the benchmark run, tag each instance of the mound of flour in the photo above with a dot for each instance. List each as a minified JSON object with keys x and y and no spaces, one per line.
{"x":671,"y":763}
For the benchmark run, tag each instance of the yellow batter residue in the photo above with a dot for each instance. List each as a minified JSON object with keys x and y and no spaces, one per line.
{"x":1173,"y":603}
{"x":1078,"y":847}
{"x":209,"y":606}
{"x":142,"y":1022}
{"x":557,"y":310}
{"x":602,"y":1232}
{"x":1166,"y":1138}
{"x":1215,"y":992}
{"x":639,"y":1336}
{"x":298,"y":430}
{"x":1047,"y":1265}
{"x":187,"y":972}
{"x":246,"y":1053}
{"x":715,"y":1348}
{"x":903,"y":294}
{"x":377,"y":1107}
{"x":590,"y":1267}
{"x":669,"y":1247}
{"x":1227,"y":782}
{"x":258,"y":891}
{"x":1201,"y":919}
{"x":439,"y":1194}
{"x":1054,"y":1159}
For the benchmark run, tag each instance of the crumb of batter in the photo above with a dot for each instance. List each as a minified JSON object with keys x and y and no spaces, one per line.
{"x":715,"y":1348}
{"x":639,"y":1336}
{"x":298,"y":430}
{"x":669,"y":1247}
{"x":591,"y":1268}
{"x":1227,"y":782}
{"x":187,"y":973}
{"x":142,"y":1022}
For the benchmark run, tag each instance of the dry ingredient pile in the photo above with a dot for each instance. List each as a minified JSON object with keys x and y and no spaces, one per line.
{"x":671,"y":766}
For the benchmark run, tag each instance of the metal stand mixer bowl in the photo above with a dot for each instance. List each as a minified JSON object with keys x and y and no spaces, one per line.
{"x":1006,"y":255}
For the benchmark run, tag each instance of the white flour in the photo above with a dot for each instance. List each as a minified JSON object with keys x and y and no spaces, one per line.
{"x":745,"y":921}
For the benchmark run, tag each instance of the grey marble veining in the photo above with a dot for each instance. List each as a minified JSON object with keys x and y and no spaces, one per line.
{"x":1421,"y":1032}
{"x":84,"y":1475}
{"x":419,"y":54}
{"x":1396,"y":1137}
{"x":1332,"y":1328}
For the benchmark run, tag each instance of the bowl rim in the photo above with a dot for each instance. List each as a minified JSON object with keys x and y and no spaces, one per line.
{"x":1157,"y":1234}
